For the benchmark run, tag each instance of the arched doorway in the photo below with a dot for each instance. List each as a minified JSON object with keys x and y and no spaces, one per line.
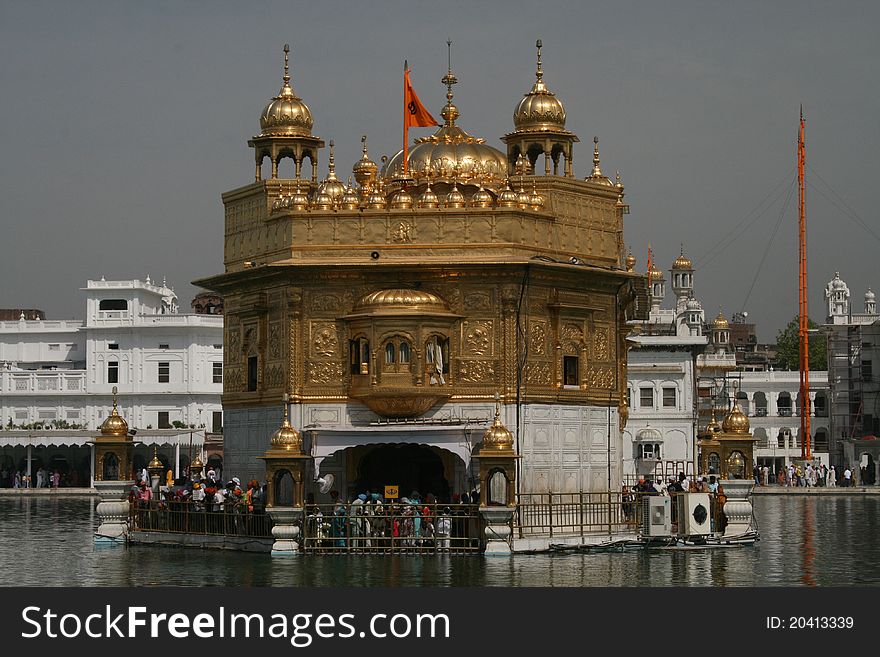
{"x":410,"y":467}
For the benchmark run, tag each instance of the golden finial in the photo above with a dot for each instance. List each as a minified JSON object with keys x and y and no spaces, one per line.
{"x":115,"y":391}
{"x":597,"y":172}
{"x":331,"y":163}
{"x":286,"y":77}
{"x":364,"y":142}
{"x":540,"y":72}
{"x":497,"y":395}
{"x":450,"y":112}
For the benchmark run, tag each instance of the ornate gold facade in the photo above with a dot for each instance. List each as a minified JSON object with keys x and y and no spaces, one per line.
{"x":470,"y":276}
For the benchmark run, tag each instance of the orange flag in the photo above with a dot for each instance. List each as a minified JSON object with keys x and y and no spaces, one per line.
{"x":416,"y":115}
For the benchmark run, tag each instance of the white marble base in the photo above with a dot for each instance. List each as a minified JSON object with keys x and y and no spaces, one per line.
{"x":112,"y":511}
{"x":286,"y":530}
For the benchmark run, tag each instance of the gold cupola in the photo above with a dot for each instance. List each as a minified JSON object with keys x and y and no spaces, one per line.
{"x":429,"y":199}
{"x":451,"y":154}
{"x":720,"y":322}
{"x":365,"y":169}
{"x":735,"y":421}
{"x":539,"y":110}
{"x":115,"y":424}
{"x":286,"y":131}
{"x":497,"y":437}
{"x":630,"y":261}
{"x":539,"y":128}
{"x":331,"y":185}
{"x":286,"y":114}
{"x":682,"y":261}
{"x":286,"y":437}
{"x":596,"y":176}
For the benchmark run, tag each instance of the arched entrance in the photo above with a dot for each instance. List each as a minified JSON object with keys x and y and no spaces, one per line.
{"x":410,"y":467}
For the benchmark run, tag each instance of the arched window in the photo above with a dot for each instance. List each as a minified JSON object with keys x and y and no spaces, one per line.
{"x":359,"y":350}
{"x":497,"y":488}
{"x":397,"y":355}
{"x":111,"y":467}
{"x":736,"y":466}
{"x":404,"y":351}
{"x":389,"y":353}
{"x":714,"y":463}
{"x":283,"y":488}
{"x":437,"y":359}
{"x":783,"y":404}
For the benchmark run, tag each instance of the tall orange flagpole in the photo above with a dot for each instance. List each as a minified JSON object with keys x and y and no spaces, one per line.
{"x":803,"y":320}
{"x":414,"y":113}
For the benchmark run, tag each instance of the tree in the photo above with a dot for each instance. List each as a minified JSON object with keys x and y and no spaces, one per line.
{"x":788,"y":347}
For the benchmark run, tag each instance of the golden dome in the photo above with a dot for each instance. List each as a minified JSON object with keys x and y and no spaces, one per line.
{"x":428,"y":199}
{"x":115,"y":424}
{"x":539,"y":110}
{"x":656,"y":274}
{"x":682,"y":261}
{"x":298,"y":201}
{"x":155,"y":463}
{"x":400,"y":301}
{"x":454,"y":199}
{"x":507,"y":198}
{"x":401,"y":200}
{"x":323,"y":201}
{"x":287,"y":438}
{"x":331,"y":185}
{"x":350,"y":200}
{"x":536,"y":201}
{"x":376,"y":200}
{"x":736,"y":421}
{"x":286,"y":115}
{"x":365,"y":169}
{"x":713,"y":427}
{"x":481,"y":199}
{"x":597,"y":176}
{"x":196,"y":466}
{"x":497,"y":436}
{"x":451,"y":154}
{"x":720,"y":322}
{"x":630,"y":261}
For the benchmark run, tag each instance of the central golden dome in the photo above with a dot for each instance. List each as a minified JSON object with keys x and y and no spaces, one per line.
{"x":286,"y":115}
{"x":736,"y":421}
{"x":401,"y":301}
{"x":115,"y":424}
{"x":451,"y":154}
{"x":539,"y":110}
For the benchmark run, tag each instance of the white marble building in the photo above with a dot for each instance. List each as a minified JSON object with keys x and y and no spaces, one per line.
{"x":57,"y":376}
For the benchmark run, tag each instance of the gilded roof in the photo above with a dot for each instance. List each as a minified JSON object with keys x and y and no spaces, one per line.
{"x":286,"y":115}
{"x":400,"y":301}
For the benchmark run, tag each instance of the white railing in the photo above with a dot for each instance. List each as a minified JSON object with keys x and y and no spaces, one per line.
{"x":58,"y":382}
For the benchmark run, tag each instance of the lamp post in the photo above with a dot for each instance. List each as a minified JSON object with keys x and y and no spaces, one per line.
{"x":155,"y":469}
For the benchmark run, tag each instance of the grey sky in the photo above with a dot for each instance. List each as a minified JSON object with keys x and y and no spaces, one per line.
{"x":123,"y":123}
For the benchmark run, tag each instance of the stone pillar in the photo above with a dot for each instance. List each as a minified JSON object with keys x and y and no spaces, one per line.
{"x":738,"y":508}
{"x":177,"y":461}
{"x":112,"y":511}
{"x":30,"y":454}
{"x":286,"y":529}
{"x":497,"y":457}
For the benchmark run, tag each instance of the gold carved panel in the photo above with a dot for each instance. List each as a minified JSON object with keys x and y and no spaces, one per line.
{"x":324,"y":340}
{"x":325,"y":372}
{"x":538,"y":338}
{"x":476,"y":371}
{"x":478,"y":300}
{"x":276,"y":330}
{"x":538,"y":374}
{"x":477,"y":337}
{"x":601,"y":346}
{"x":600,"y":377}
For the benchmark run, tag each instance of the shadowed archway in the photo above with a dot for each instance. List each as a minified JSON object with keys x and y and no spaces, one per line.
{"x":410,"y":467}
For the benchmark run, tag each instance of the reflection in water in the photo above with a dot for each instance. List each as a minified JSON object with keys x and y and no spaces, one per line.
{"x":804,"y":540}
{"x":808,"y":527}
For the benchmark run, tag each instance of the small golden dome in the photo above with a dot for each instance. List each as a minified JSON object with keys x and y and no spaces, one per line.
{"x":196,"y":466}
{"x":428,"y":199}
{"x":331,"y":185}
{"x":507,"y":198}
{"x":630,"y":261}
{"x":497,"y":436}
{"x":736,"y":421}
{"x":454,"y":199}
{"x":155,"y":463}
{"x":299,"y":200}
{"x":286,"y":437}
{"x":713,"y":427}
{"x":682,"y":261}
{"x":720,"y":322}
{"x":536,"y":201}
{"x":481,"y":199}
{"x":539,"y":110}
{"x":323,"y":201}
{"x":656,"y":274}
{"x":597,"y":176}
{"x":401,"y":200}
{"x":365,"y":169}
{"x":350,"y":199}
{"x":115,"y":424}
{"x":522,"y":198}
{"x":398,"y":301}
{"x":286,"y":115}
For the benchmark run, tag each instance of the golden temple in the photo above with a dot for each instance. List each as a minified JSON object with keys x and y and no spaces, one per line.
{"x":394,"y":308}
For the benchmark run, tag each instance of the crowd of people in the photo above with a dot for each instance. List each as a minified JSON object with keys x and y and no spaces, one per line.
{"x":674,"y":485}
{"x":809,"y":476}
{"x":42,"y":478}
{"x":370,"y":521}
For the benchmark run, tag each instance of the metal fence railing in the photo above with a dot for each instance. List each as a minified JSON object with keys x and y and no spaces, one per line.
{"x":566,"y":514}
{"x":187,"y":518}
{"x":392,"y":528}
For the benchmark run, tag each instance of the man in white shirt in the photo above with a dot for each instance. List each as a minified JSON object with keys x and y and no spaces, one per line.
{"x":847,"y":478}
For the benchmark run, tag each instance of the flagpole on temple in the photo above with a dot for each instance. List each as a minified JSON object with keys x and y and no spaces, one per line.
{"x":405,"y":117}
